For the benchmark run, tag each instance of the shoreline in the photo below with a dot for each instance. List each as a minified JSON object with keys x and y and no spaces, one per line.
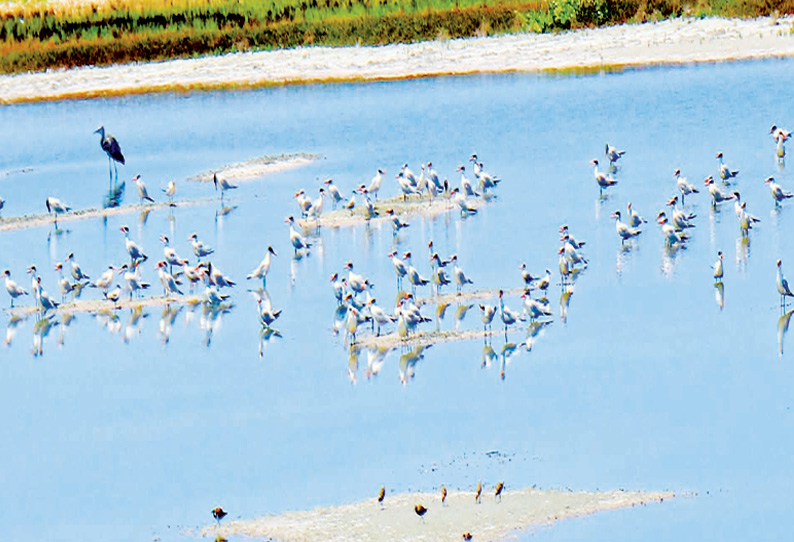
{"x":670,"y":42}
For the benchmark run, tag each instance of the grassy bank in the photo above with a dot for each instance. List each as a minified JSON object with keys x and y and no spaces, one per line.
{"x":36,"y":36}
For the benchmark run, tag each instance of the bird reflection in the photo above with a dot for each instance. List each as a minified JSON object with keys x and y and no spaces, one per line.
{"x":11,"y":329}
{"x":114,"y":196}
{"x":266,"y":334}
{"x":66,"y":320}
{"x":742,"y":252}
{"x":719,"y":294}
{"x":339,"y":318}
{"x":167,"y":319}
{"x":565,"y":301}
{"x":488,"y":355}
{"x":352,"y":363}
{"x":41,"y":329}
{"x":533,"y":332}
{"x":441,"y":311}
{"x":623,"y":256}
{"x":782,"y":329}
{"x":460,"y":314}
{"x":133,"y":325}
{"x":376,"y":357}
{"x":670,"y":254}
{"x":408,"y":363}
{"x":509,"y":350}
{"x":109,"y":319}
{"x":211,"y":320}
{"x":143,"y":217}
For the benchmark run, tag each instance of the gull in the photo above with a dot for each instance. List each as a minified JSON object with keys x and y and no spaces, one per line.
{"x":535,"y":309}
{"x":136,"y":252}
{"x":111,"y":148}
{"x":297,"y":240}
{"x":726,"y":173}
{"x":223,"y":184}
{"x":336,"y":196}
{"x":396,"y":223}
{"x":55,"y":207}
{"x":264,"y":266}
{"x":170,"y":190}
{"x":77,"y":273}
{"x":717,"y":267}
{"x":625,"y":231}
{"x":64,"y":285}
{"x":460,"y":200}
{"x":672,"y":237}
{"x":105,"y":280}
{"x":465,"y":183}
{"x":683,"y":185}
{"x":612,"y":153}
{"x":603,"y":180}
{"x":374,"y":184}
{"x":217,"y":278}
{"x":634,"y":218}
{"x":171,"y":257}
{"x":12,"y":288}
{"x":746,"y":220}
{"x":717,"y":195}
{"x":199,"y":249}
{"x":782,"y":284}
{"x":143,"y":194}
{"x":457,"y":273}
{"x":167,"y":280}
{"x":777,"y":192}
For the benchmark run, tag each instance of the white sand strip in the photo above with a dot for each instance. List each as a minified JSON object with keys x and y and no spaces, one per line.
{"x":491,"y":520}
{"x":685,"y":40}
{"x":257,"y":167}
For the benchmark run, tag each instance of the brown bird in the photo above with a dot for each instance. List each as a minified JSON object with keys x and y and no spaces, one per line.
{"x":498,"y":493}
{"x":218,"y":514}
{"x":381,"y":495}
{"x":467,"y":535}
{"x":443,"y":494}
{"x":420,"y":510}
{"x":219,"y":538}
{"x":479,"y":492}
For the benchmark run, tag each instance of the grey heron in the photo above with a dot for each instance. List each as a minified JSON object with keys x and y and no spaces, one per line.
{"x":111,"y":148}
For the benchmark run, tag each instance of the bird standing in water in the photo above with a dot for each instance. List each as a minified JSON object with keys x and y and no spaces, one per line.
{"x":111,"y":148}
{"x":218,"y":513}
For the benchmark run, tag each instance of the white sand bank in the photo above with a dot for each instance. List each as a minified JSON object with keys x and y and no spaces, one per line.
{"x":491,"y":520}
{"x":669,"y":42}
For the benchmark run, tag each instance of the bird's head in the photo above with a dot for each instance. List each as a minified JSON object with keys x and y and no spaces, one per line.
{"x":125,"y":229}
{"x":719,"y":155}
{"x":769,"y":180}
{"x":270,"y":250}
{"x":708,"y":180}
{"x":334,"y":276}
{"x":101,"y":131}
{"x":676,"y":173}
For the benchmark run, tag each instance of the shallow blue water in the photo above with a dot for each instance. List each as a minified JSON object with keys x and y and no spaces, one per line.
{"x":112,"y":433}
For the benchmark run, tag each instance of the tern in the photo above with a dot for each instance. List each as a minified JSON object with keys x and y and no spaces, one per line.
{"x":465,"y":183}
{"x":356,"y":282}
{"x":316,"y":208}
{"x":571,"y":253}
{"x":266,"y":313}
{"x":671,"y":236}
{"x":460,"y":277}
{"x":105,"y":280}
{"x":133,"y":278}
{"x":718,"y":267}
{"x":333,"y":190}
{"x":223,"y":184}
{"x":136,"y":252}
{"x":111,"y":148}
{"x":509,"y":317}
{"x":304,"y":202}
{"x":171,"y":257}
{"x":12,"y":288}
{"x":199,"y":249}
{"x":396,"y":223}
{"x":625,"y":231}
{"x":167,"y":280}
{"x":746,"y":220}
{"x":684,"y":186}
{"x":264,"y":266}
{"x":379,"y":315}
{"x":45,"y":301}
{"x":526,"y":276}
{"x":77,"y":273}
{"x":779,"y":133}
{"x":375,"y":183}
{"x":717,"y":195}
{"x":635,"y":220}
{"x":725,"y":172}
{"x":777,"y":192}
{"x":460,"y":200}
{"x":143,"y":194}
{"x":55,"y":207}
{"x":338,"y":286}
{"x":413,"y":275}
{"x":297,"y":240}
{"x":217,"y":278}
{"x":435,"y":181}
{"x":603,"y":180}
{"x":565,"y":234}
{"x":782,"y":285}
{"x":544,"y":282}
{"x":399,"y":266}
{"x":170,"y":191}
{"x":64,"y":285}
{"x":440,"y":278}
{"x":612,"y":153}
{"x":487,"y":314}
{"x":535,"y":309}
{"x":680,"y":219}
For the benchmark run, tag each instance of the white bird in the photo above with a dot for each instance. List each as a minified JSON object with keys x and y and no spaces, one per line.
{"x":336,"y":196}
{"x":12,"y":288}
{"x":726,"y":173}
{"x":625,"y":232}
{"x":223,"y":184}
{"x":167,"y":280}
{"x":457,"y":273}
{"x":55,"y":207}
{"x":440,"y":278}
{"x":509,"y":317}
{"x":612,"y":153}
{"x":544,"y":282}
{"x":400,"y":268}
{"x":779,"y":133}
{"x":777,"y":191}
{"x":684,"y":186}
{"x":34,"y":282}
{"x":338,"y":286}
{"x":565,"y":234}
{"x":297,"y":240}
{"x":199,"y":249}
{"x":379,"y":316}
{"x":375,"y":183}
{"x":526,"y":276}
{"x":304,"y":202}
{"x":105,"y":280}
{"x":718,"y":272}
{"x":217,"y":278}
{"x":737,"y":204}
{"x":64,"y":285}
{"x":316,"y":208}
{"x":460,"y":200}
{"x":406,"y":172}
{"x":143,"y":194}
{"x":435,"y":181}
{"x":264,"y":266}
{"x":603,"y":180}
{"x":782,"y":284}
{"x":170,"y":191}
{"x":408,"y":188}
{"x":680,"y":219}
{"x":465,"y":183}
{"x":717,"y":195}
{"x":77,"y":273}
{"x":133,"y":249}
{"x":746,"y":220}
{"x":267,"y":315}
{"x":671,"y":236}
{"x":535,"y":309}
{"x":488,"y":312}
{"x":570,"y":252}
{"x":45,"y":301}
{"x":351,"y":203}
{"x":635,"y":220}
{"x":396,"y":223}
{"x":171,"y":257}
{"x":412,"y":273}
{"x":356,"y":282}
{"x":133,"y":278}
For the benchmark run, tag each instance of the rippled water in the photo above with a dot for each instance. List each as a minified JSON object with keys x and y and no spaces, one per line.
{"x":129,"y":428}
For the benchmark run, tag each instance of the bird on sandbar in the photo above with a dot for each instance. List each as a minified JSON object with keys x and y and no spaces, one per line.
{"x":218,"y":513}
{"x":143,"y":194}
{"x":498,"y":492}
{"x":381,"y":495}
{"x":55,"y":207}
{"x":170,"y":190}
{"x":111,"y":148}
{"x":478,"y":494}
{"x":467,"y":536}
{"x":223,"y":183}
{"x":443,"y":494}
{"x":420,"y":510}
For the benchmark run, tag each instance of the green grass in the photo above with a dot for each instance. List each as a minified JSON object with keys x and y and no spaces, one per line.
{"x":38,"y":36}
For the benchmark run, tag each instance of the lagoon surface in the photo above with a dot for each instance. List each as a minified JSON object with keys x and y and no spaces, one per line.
{"x":133,"y":428}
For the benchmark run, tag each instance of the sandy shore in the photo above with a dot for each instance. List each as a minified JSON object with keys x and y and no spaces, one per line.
{"x":669,"y":42}
{"x":396,"y":521}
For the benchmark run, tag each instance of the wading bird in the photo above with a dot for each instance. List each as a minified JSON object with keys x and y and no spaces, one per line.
{"x":603,"y":180}
{"x":782,"y":285}
{"x":111,"y":148}
{"x":718,"y":267}
{"x":777,"y":192}
{"x":264,"y":266}
{"x":12,"y":288}
{"x":199,"y":249}
{"x":55,"y":207}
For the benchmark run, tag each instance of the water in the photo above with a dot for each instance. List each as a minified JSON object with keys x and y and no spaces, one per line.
{"x":112,"y":433}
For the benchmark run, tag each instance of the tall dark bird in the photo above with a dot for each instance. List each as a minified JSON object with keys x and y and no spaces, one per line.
{"x":218,"y":513}
{"x":111,"y":147}
{"x":420,"y":510}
